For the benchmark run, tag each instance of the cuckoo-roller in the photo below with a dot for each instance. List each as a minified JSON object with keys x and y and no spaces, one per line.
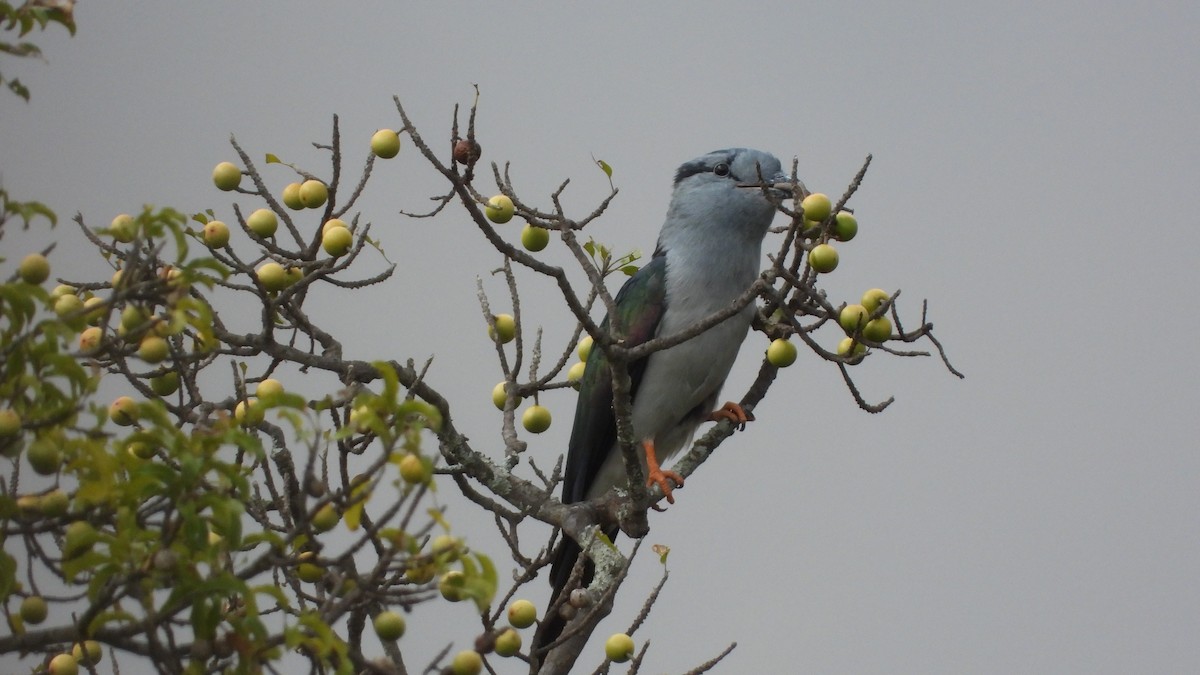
{"x":708,"y":254}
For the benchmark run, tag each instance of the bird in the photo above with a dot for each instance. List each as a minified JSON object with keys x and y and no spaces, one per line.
{"x":708,"y":253}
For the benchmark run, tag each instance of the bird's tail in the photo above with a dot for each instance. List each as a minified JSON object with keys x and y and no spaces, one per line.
{"x":565,"y":558}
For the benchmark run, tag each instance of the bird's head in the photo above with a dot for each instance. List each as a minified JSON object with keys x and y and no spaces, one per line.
{"x":721,"y":193}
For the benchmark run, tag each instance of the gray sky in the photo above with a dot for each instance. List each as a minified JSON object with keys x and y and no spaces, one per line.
{"x":1035,"y":168}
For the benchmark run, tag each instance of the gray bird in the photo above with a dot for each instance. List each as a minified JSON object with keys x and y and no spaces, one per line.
{"x":709,"y":252}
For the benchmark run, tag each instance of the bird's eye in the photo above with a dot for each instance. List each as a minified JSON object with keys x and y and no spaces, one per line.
{"x":721,"y":169}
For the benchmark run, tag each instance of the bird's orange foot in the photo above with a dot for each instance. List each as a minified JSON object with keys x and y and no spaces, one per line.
{"x":732,"y":412}
{"x":658,"y":476}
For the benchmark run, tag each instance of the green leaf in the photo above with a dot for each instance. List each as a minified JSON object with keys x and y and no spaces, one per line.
{"x":272,"y":159}
{"x":605,"y":167}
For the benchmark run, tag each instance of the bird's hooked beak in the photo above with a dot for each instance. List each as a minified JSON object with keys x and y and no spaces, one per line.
{"x":780,"y":185}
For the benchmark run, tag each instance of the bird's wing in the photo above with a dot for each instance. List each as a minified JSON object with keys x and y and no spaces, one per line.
{"x":640,"y":305}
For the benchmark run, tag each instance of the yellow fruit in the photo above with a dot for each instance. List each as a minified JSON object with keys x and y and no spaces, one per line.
{"x":313,"y":193}
{"x":534,"y":238}
{"x":499,"y":209}
{"x":123,"y":411}
{"x":385,"y":144}
{"x":326,"y":518}
{"x":823,"y":258}
{"x":536,"y":419}
{"x":575,"y":374}
{"x":89,"y":340}
{"x":263,"y":222}
{"x":781,"y":353}
{"x":226,"y":176}
{"x":123,"y":228}
{"x":508,"y":642}
{"x":332,"y":223}
{"x":853,"y":317}
{"x":878,"y":330}
{"x":248,"y":412}
{"x":506,"y":328}
{"x":272,"y":276}
{"x":843,"y":348}
{"x":268,"y":388}
{"x":291,"y":196}
{"x":34,"y":269}
{"x":10,"y":422}
{"x":619,"y":648}
{"x":522,"y":614}
{"x":585,"y":348}
{"x":88,"y":652}
{"x":153,"y":349}
{"x":467,"y":662}
{"x":500,"y":394}
{"x":388,"y":625}
{"x":63,"y":664}
{"x":34,"y":609}
{"x":337,"y":241}
{"x":413,"y":470}
{"x":873,"y":298}
{"x":816,"y":207}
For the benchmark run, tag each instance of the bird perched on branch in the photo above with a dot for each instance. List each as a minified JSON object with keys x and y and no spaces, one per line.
{"x":709,"y":252}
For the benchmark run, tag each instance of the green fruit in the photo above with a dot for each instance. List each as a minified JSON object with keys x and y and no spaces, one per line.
{"x":619,"y":648}
{"x":500,"y":394}
{"x":95,"y":307}
{"x":45,"y":458}
{"x":845,"y":226}
{"x":272,"y":276}
{"x":63,"y":664}
{"x":226,"y":176}
{"x":873,"y":298}
{"x":467,"y":662}
{"x":499,"y":209}
{"x":313,"y":193}
{"x":388,"y":625}
{"x":123,"y":228}
{"x":10,"y":422}
{"x":54,"y":503}
{"x":310,"y":572}
{"x":816,"y":207}
{"x":536,"y":419}
{"x":844,"y":349}
{"x":79,"y":538}
{"x":140,"y":449}
{"x":413,"y":470}
{"x":34,"y":269}
{"x":823,"y":258}
{"x":165,"y":384}
{"x":337,"y":241}
{"x":781,"y":353}
{"x":34,"y":609}
{"x":326,"y":518}
{"x":506,"y":328}
{"x":133,"y":316}
{"x":291,"y":196}
{"x":522,"y":614}
{"x":853,"y":317}
{"x":575,"y":374}
{"x":877,"y":330}
{"x":534,"y":238}
{"x":385,"y":144}
{"x":451,"y":585}
{"x":123,"y":411}
{"x":263,"y":222}
{"x":153,"y":349}
{"x":88,"y":652}
{"x":508,"y":642}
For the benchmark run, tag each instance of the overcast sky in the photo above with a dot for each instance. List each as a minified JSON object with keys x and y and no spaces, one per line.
{"x":1035,"y":173}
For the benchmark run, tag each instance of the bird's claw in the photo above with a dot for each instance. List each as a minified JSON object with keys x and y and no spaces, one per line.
{"x":734,"y":413}
{"x":663,"y":479}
